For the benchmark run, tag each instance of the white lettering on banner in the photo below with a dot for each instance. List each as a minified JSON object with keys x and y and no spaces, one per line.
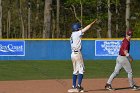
{"x":11,"y":48}
{"x":111,"y":47}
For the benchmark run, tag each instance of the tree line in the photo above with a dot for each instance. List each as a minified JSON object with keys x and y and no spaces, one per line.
{"x":53,"y":18}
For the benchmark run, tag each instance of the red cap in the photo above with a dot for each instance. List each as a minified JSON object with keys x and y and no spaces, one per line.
{"x":129,"y":32}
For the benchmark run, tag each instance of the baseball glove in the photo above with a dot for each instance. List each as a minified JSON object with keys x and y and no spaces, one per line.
{"x":130,"y":59}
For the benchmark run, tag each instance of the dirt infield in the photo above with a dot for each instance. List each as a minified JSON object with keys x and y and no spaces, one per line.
{"x":61,"y":86}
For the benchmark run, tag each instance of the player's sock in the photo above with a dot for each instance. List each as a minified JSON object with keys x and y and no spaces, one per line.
{"x":74,"y":80}
{"x":80,"y":77}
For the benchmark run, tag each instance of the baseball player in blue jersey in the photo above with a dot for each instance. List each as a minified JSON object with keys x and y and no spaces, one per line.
{"x":76,"y":56}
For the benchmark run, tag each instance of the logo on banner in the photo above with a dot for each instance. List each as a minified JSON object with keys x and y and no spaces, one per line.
{"x":12,"y":48}
{"x":107,"y":47}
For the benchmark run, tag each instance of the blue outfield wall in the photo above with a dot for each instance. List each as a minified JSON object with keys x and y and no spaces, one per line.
{"x":60,"y":50}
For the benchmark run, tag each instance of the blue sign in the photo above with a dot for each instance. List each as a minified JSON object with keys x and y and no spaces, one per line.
{"x":107,"y":47}
{"x":12,"y":48}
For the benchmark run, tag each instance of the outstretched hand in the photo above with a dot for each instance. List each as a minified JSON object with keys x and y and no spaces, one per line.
{"x":94,"y":21}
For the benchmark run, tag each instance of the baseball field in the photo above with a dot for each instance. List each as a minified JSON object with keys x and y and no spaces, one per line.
{"x":55,"y":77}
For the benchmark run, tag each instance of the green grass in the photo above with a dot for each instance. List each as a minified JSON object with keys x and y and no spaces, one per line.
{"x":36,"y":70}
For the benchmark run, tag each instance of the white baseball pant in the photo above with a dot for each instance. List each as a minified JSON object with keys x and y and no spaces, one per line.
{"x":78,"y":64}
{"x":122,"y":61}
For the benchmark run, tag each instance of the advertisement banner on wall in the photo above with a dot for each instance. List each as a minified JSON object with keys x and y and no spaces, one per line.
{"x":107,"y":47}
{"x":12,"y":48}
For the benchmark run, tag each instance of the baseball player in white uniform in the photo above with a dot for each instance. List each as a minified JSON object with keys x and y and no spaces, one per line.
{"x":76,"y":56}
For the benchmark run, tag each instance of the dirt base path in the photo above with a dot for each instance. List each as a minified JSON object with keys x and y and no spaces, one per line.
{"x":61,"y":86}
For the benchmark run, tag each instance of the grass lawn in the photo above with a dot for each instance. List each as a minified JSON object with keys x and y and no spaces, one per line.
{"x":37,"y":70}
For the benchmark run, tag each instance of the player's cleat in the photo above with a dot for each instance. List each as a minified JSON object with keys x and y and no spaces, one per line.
{"x":135,"y":87}
{"x":80,"y":88}
{"x":73,"y":89}
{"x":108,"y":87}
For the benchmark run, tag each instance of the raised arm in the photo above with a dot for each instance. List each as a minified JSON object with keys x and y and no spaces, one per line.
{"x":88,"y":26}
